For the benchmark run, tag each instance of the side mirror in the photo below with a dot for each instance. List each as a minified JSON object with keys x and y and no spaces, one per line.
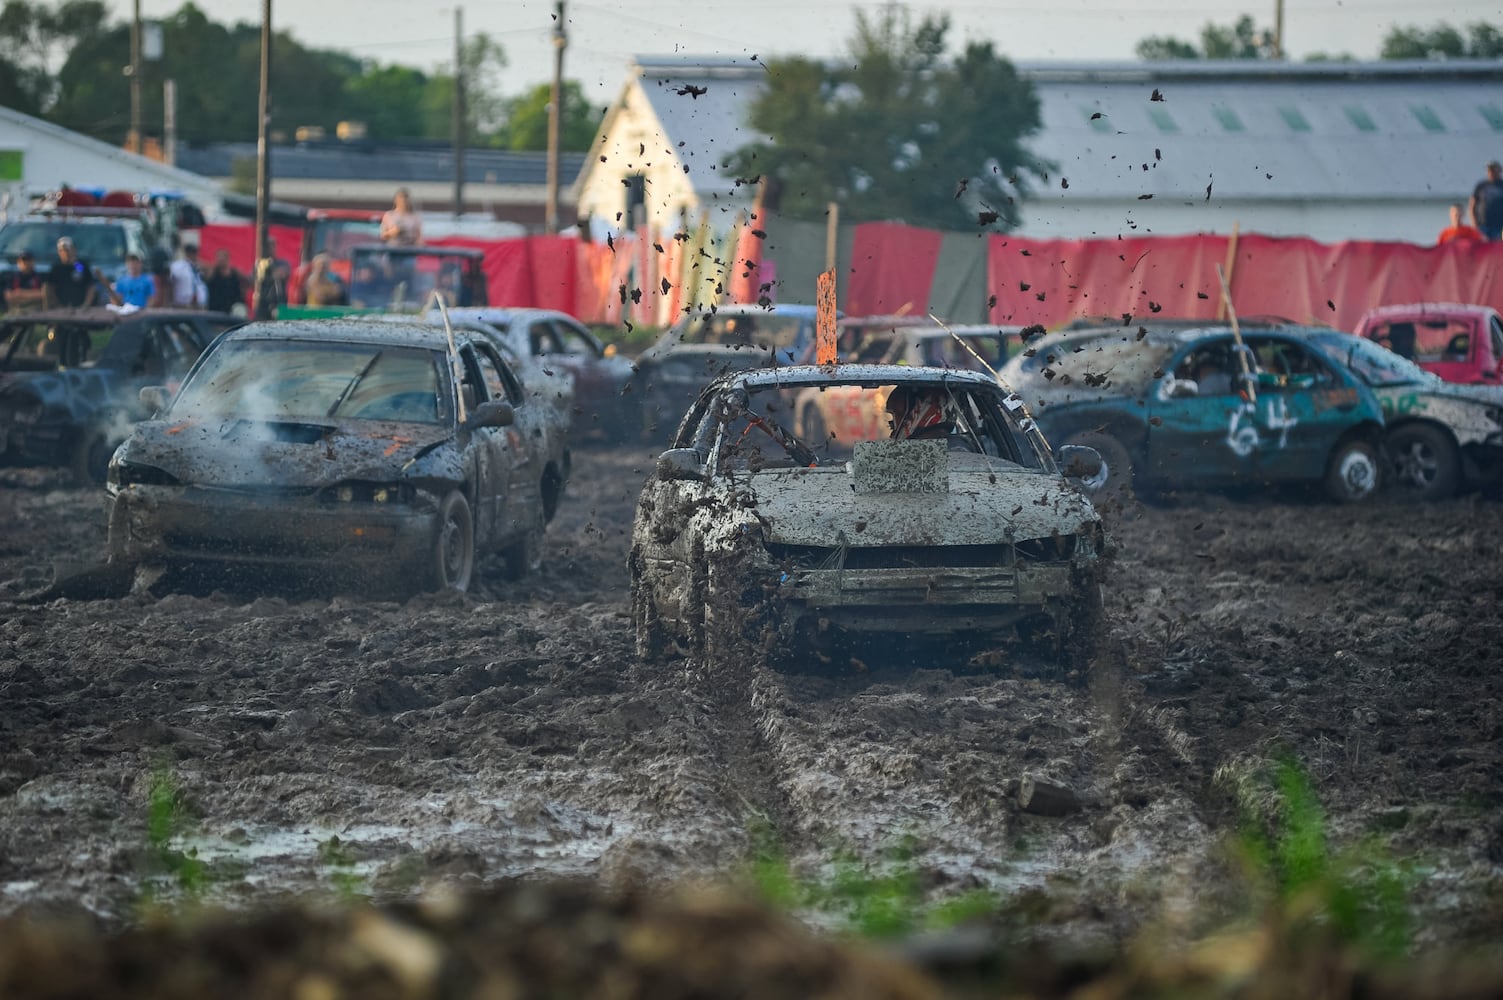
{"x":680,"y":463}
{"x":610,"y":351}
{"x":1183,"y":388}
{"x":492,"y":413}
{"x":1082,"y":464}
{"x":155,"y":397}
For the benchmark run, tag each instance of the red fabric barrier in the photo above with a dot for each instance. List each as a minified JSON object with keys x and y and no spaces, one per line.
{"x":1053,"y":281}
{"x":240,"y":240}
{"x":892,"y":269}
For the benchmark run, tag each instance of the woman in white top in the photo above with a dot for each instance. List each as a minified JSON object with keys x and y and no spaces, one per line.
{"x":401,"y":225}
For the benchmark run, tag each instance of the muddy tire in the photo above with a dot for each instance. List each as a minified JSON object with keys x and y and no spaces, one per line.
{"x":1425,"y":463}
{"x":524,"y":556}
{"x":652,"y":639}
{"x":1354,"y":471}
{"x":452,"y":560}
{"x":90,"y":462}
{"x":1116,"y":461}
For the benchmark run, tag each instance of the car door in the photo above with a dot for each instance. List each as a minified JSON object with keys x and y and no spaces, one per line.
{"x":492,"y":449}
{"x":1200,"y":429}
{"x":1297,"y":416}
{"x":525,"y":443}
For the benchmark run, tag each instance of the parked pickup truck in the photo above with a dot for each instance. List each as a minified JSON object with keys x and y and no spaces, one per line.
{"x":1460,"y":343}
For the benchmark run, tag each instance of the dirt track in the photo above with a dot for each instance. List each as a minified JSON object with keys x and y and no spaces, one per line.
{"x":458,"y":740}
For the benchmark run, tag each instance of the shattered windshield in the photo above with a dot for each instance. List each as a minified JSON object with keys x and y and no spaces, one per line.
{"x":1371,"y":362}
{"x":302,"y":380}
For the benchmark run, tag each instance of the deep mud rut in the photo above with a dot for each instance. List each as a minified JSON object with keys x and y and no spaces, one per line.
{"x":459,"y":740}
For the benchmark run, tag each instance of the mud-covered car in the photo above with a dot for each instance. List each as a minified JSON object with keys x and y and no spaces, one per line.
{"x":366,"y":453}
{"x":1438,"y":436}
{"x":1169,"y":407}
{"x":748,"y":539}
{"x":704,"y":345}
{"x":70,"y":379}
{"x":557,"y":342}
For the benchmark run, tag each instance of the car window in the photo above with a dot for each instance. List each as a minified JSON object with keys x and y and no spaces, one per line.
{"x":1370,"y":361}
{"x":96,"y":243}
{"x":1289,"y":362}
{"x":572,"y":341}
{"x":499,"y":380}
{"x":1427,"y":340}
{"x":1212,"y":366}
{"x":1495,"y":331}
{"x":765,"y":330}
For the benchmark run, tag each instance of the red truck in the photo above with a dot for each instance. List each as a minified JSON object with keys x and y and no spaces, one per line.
{"x":1460,"y":343}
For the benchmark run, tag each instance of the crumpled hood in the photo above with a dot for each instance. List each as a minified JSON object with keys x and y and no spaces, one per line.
{"x":812,"y":507}
{"x":249,"y":452}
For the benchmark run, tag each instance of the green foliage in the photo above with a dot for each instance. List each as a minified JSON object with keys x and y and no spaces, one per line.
{"x":339,"y":865}
{"x":920,"y":139}
{"x":882,"y":900}
{"x":527,"y":120}
{"x":167,"y":819}
{"x":1360,"y":896}
{"x":1240,"y":40}
{"x":1444,"y":41}
{"x":33,"y":36}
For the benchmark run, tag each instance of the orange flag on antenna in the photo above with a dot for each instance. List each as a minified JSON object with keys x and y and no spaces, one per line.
{"x":824,"y":319}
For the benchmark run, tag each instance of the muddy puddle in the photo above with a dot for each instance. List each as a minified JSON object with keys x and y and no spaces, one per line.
{"x":319,"y":744}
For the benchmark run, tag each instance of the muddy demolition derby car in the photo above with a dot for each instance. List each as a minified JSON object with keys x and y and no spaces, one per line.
{"x":367,"y":453}
{"x":751,"y":540}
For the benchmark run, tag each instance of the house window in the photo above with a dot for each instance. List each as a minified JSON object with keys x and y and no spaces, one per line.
{"x":1427,"y":117}
{"x":1360,"y":119}
{"x":1227,"y":117}
{"x":1294,"y":119}
{"x":1162,"y":119}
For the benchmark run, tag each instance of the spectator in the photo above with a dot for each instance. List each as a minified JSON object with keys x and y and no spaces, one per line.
{"x":1457,"y":230}
{"x":226,"y":285}
{"x":71,"y":280}
{"x":401,"y":226}
{"x":25,"y":286}
{"x":322,"y":287}
{"x":1487,"y":203}
{"x":135,"y":287}
{"x":161,"y":285}
{"x":188,"y":288}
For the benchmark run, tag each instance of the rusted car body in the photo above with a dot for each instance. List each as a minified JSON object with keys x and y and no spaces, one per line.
{"x":364,"y":452}
{"x":69,"y":379}
{"x":749,"y":538}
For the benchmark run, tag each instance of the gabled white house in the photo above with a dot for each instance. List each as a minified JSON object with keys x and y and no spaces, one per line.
{"x":1333,"y":151}
{"x":37,"y":156}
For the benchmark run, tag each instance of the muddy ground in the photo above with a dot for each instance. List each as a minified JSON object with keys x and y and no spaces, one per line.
{"x":460,"y":740}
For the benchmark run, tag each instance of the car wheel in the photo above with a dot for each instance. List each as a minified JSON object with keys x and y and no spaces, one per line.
{"x":1115,"y":482}
{"x":91,"y":458}
{"x":651,"y":638}
{"x":453,"y":545}
{"x":1354,"y":471}
{"x":1424,"y":461}
{"x":524,"y":556}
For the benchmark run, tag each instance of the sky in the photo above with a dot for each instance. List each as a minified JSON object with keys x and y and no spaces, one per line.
{"x":603,"y":35}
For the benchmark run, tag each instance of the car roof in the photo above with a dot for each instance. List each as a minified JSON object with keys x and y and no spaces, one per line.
{"x":507,"y":313}
{"x":964,"y":330}
{"x":1422,"y":308}
{"x":101,"y":316}
{"x":848,"y":374}
{"x":346,"y":330}
{"x":1172,"y":335}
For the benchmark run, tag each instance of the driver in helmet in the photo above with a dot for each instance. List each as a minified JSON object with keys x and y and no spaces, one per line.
{"x":919,"y":414}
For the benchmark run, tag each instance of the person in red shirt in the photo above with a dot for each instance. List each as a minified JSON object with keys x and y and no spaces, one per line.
{"x":1457,"y":230}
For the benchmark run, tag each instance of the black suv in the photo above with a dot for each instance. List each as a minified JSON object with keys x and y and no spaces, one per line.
{"x":70,"y":379}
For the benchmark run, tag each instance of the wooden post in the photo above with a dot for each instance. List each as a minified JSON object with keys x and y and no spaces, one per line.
{"x":824,"y":319}
{"x":1229,"y":269}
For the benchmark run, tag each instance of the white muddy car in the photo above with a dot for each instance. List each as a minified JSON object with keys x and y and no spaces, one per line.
{"x":749,"y":539}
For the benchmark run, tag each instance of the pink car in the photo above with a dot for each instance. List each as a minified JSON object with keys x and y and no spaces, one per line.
{"x":1460,"y":343}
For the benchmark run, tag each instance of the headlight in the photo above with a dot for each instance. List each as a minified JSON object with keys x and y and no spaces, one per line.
{"x":137,"y":474}
{"x":368,"y":493}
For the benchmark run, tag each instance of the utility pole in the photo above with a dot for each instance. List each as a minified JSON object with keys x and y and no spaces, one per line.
{"x":135,"y":144}
{"x":263,"y":303}
{"x":169,"y":122}
{"x":458,"y":123}
{"x":555,"y":116}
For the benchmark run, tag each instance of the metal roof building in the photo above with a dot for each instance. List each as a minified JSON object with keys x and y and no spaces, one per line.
{"x":1332,"y":150}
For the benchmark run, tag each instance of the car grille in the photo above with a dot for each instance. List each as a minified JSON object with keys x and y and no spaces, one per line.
{"x":921,"y":556}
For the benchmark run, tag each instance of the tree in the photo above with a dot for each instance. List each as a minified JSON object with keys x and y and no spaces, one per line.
{"x":34,"y":38}
{"x":389,"y":99}
{"x":1240,"y":40}
{"x":897,"y":132}
{"x":527,"y":120}
{"x":1443,"y":41}
{"x":481,"y":59}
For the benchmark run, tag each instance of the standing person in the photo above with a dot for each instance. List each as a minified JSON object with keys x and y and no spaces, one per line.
{"x":1486,"y":207}
{"x":25,"y":287}
{"x":226,"y":285}
{"x":188,"y":288}
{"x":322,"y":287}
{"x":71,"y":280}
{"x":161,"y":284}
{"x":401,"y":225}
{"x":135,"y":287}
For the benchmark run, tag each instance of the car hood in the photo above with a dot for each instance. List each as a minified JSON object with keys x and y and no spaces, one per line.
{"x":261,"y":453}
{"x":814,"y":507}
{"x":1486,"y":395}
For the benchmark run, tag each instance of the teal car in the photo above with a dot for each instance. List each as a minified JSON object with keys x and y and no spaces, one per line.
{"x":1187,"y":407}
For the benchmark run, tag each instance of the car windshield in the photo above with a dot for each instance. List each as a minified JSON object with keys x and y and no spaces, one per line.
{"x":1372,"y":363}
{"x":32,"y":346}
{"x":97,"y":244}
{"x":763,"y":329}
{"x":308,"y":380}
{"x":793,"y":427}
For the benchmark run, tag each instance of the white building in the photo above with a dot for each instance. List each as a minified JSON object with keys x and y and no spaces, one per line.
{"x":37,"y":156}
{"x":1333,"y":151}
